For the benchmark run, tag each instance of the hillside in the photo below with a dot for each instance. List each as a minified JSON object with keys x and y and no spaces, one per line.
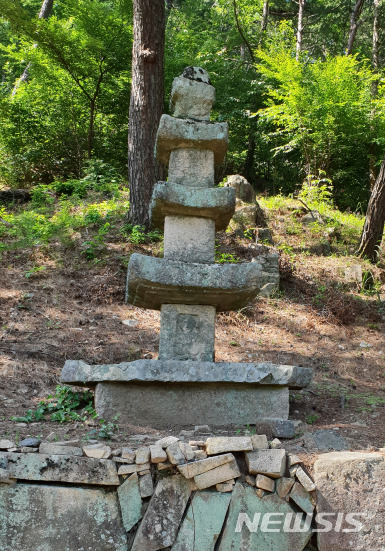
{"x":63,"y":264}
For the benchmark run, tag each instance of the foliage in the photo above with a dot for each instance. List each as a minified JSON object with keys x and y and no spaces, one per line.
{"x":138,"y":234}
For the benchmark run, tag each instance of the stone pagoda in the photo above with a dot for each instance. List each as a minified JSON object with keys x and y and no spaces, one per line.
{"x":184,"y":386}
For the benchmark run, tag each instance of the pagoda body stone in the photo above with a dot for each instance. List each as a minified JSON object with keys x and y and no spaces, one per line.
{"x":184,"y":385}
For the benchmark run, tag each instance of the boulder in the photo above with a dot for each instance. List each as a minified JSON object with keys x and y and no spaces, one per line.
{"x":243,"y":189}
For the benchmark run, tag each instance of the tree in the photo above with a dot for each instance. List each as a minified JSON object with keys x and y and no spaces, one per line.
{"x":301,"y":8}
{"x":146,"y":105}
{"x":375,"y":219}
{"x":355,"y":22}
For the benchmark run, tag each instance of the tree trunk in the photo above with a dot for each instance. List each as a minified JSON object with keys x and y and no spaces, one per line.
{"x":374,"y":90}
{"x":301,"y":8}
{"x":265,"y":15}
{"x":45,"y":12}
{"x":354,"y":24}
{"x":375,"y":219}
{"x":146,"y":105}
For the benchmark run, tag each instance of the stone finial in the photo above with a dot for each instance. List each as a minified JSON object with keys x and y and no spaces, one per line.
{"x":192,"y":95}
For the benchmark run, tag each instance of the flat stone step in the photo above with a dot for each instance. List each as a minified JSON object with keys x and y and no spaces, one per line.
{"x":152,"y":282}
{"x":174,"y":133}
{"x":169,"y":199}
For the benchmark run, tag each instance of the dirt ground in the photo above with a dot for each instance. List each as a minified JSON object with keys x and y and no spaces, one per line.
{"x":74,"y":309}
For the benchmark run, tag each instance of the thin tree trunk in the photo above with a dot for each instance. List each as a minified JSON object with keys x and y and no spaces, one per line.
{"x":240,"y":30}
{"x":265,"y":15}
{"x":146,"y":105}
{"x":374,"y":90}
{"x":375,"y":219}
{"x":45,"y":12}
{"x":354,"y":24}
{"x":301,"y":9}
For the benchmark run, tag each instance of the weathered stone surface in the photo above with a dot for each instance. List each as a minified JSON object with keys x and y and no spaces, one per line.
{"x":283,"y":486}
{"x":187,"y":451}
{"x":224,"y":487}
{"x":158,"y":455}
{"x":60,"y":468}
{"x":325,"y":439}
{"x":142,"y":455}
{"x":189,"y":239}
{"x":173,"y":371}
{"x":189,"y":470}
{"x":6,"y":444}
{"x":237,"y":535}
{"x":171,"y":199}
{"x":160,"y":524}
{"x":5,"y":478}
{"x":302,"y":498}
{"x":221,"y":444}
{"x":264,"y":235}
{"x":174,"y":133}
{"x":27,"y":449}
{"x":99,"y":451}
{"x":268,"y":462}
{"x":276,"y":444}
{"x":29,"y":443}
{"x":130,"y":502}
{"x":305,"y":479}
{"x":130,"y":469}
{"x":244,"y":217}
{"x":182,"y":168}
{"x":281,"y":428}
{"x":187,"y":332}
{"x":265,"y":483}
{"x":40,"y":517}
{"x":250,"y":479}
{"x":128,"y":454}
{"x":175,"y":455}
{"x":203,"y":522}
{"x":153,"y":281}
{"x":192,"y":98}
{"x":292,"y":460}
{"x":259,"y":442}
{"x":166,"y":441}
{"x":242,"y":187}
{"x":159,"y":405}
{"x":353,"y":274}
{"x":351,"y":482}
{"x":146,"y":486}
{"x":219,"y":474}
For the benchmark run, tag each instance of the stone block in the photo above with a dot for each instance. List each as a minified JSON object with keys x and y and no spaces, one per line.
{"x":54,"y":449}
{"x":325,"y":439}
{"x":171,"y":371}
{"x":191,"y":98}
{"x":305,"y":479}
{"x":280,"y":428}
{"x":187,"y":451}
{"x":158,"y":455}
{"x":268,"y":462}
{"x":189,"y":470}
{"x":203,"y":522}
{"x":189,"y":239}
{"x":153,"y":281}
{"x":166,"y":441}
{"x":351,"y":483}
{"x":171,"y":199}
{"x":174,"y":133}
{"x":259,"y":442}
{"x":187,"y":332}
{"x":29,"y":443}
{"x":192,"y":167}
{"x":244,"y":528}
{"x":302,"y":498}
{"x":6,"y":444}
{"x":130,"y":502}
{"x":5,"y":478}
{"x":219,"y":474}
{"x":283,"y":486}
{"x":159,"y":405}
{"x":242,"y":187}
{"x":128,"y":454}
{"x":224,"y":487}
{"x":60,"y":468}
{"x":175,"y":455}
{"x":160,"y":524}
{"x":98,"y":451}
{"x":276,"y":444}
{"x":265,"y":483}
{"x":146,"y":486}
{"x":222,"y":444}
{"x":46,"y":517}
{"x":244,"y":217}
{"x":142,"y":455}
{"x":130,"y":469}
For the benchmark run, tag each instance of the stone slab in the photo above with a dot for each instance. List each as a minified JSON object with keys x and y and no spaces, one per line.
{"x":268,"y":462}
{"x":170,"y":199}
{"x":222,"y":444}
{"x":189,"y":239}
{"x":130,"y":502}
{"x":45,"y":517}
{"x":189,"y":470}
{"x":351,"y":483}
{"x":153,"y":281}
{"x":216,"y":476}
{"x":203,"y":522}
{"x":187,"y":332}
{"x":183,"y":167}
{"x":60,"y":468}
{"x":78,"y":372}
{"x":160,"y":524}
{"x":53,"y":449}
{"x":174,"y":133}
{"x":159,"y":405}
{"x":240,"y":536}
{"x":191,"y":98}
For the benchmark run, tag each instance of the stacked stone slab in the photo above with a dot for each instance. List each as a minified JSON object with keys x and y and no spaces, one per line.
{"x":185,"y":386}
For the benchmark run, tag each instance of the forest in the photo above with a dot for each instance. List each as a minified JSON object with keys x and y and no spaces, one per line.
{"x":301,"y":84}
